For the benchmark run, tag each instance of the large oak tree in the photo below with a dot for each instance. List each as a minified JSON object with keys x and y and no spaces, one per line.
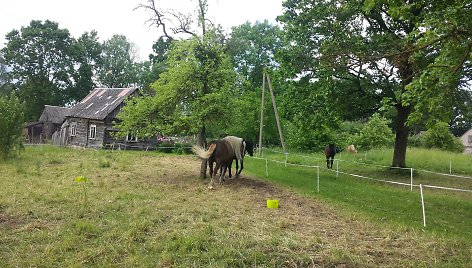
{"x":411,"y":55}
{"x":45,"y":65}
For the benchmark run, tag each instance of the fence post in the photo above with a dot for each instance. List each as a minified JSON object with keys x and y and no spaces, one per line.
{"x":450,"y":167}
{"x":267,"y":171}
{"x":337,"y":169}
{"x":422,"y":205}
{"x":318,"y":178}
{"x":411,"y":179}
{"x":286,"y":157}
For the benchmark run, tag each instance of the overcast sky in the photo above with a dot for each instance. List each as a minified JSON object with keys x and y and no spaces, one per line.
{"x":109,"y":17}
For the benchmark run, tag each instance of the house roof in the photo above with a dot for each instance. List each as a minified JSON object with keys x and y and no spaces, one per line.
{"x":54,"y":114}
{"x":100,"y":102}
{"x":29,"y":124}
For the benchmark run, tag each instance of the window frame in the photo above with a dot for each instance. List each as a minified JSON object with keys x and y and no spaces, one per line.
{"x":94,"y":132}
{"x":73,"y":129}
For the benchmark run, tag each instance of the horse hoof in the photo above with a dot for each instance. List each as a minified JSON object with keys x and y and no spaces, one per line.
{"x":210,"y":187}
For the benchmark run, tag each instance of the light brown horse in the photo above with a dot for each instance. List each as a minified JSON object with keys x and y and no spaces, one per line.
{"x":351,"y":149}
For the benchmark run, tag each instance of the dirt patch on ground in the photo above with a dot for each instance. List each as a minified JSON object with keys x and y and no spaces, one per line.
{"x":7,"y":221}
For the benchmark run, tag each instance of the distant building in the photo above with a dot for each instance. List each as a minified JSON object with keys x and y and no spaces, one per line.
{"x":90,"y":122}
{"x":33,"y":132}
{"x":52,"y":118}
{"x":466,"y":139}
{"x":50,"y":121}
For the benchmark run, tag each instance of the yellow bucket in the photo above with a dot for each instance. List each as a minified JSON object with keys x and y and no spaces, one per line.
{"x":272,"y":203}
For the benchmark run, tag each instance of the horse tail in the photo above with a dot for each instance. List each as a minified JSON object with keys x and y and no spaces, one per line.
{"x":202,"y":153}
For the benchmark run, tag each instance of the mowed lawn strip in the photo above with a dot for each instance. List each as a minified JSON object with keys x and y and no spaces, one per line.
{"x":144,"y":209}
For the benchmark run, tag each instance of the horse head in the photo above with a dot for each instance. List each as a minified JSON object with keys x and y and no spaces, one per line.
{"x":249,"y":148}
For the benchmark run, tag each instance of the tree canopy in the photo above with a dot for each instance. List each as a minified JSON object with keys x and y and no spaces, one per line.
{"x":117,"y":68}
{"x":334,"y":64}
{"x":41,"y":61}
{"x":379,"y":55}
{"x":195,"y":91}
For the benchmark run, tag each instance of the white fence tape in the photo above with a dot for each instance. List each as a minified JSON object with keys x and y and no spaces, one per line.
{"x":447,"y":188}
{"x":365,"y":177}
{"x":445,"y":174}
{"x":411,"y":185}
{"x":382,"y":166}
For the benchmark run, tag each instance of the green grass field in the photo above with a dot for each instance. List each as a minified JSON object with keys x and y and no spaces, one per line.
{"x":448,"y":213}
{"x":148,"y":209}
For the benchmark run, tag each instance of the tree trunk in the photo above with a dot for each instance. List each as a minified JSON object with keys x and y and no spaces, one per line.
{"x":401,"y":136}
{"x":202,"y":14}
{"x":201,"y":141}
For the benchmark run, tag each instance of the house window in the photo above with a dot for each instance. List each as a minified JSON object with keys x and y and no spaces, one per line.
{"x":131,"y":137}
{"x":470,"y":139}
{"x":73,"y":129}
{"x":92,"y":132}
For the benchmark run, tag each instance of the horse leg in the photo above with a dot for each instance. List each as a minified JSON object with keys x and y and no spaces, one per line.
{"x":242,"y":166}
{"x":237,"y":167}
{"x":210,"y":165}
{"x":213,"y":174}
{"x":223,"y":172}
{"x":327,"y":162}
{"x":331,"y":162}
{"x":229,"y":168}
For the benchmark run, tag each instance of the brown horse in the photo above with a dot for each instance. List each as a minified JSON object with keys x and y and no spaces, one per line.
{"x":219,"y":152}
{"x":330,"y":152}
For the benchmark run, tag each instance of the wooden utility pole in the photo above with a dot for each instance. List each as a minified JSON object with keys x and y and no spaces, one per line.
{"x":279,"y":126}
{"x":262,"y":114}
{"x":276,"y":114}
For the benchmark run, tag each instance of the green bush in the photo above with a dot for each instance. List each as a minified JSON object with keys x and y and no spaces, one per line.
{"x":11,"y":126}
{"x":174,"y":147}
{"x":182,"y":148}
{"x":347,"y":133}
{"x":375,"y":134}
{"x":440,"y":137}
{"x":416,"y":141}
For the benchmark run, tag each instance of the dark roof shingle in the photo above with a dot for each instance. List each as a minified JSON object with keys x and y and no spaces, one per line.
{"x":54,"y":114}
{"x":100,"y":102}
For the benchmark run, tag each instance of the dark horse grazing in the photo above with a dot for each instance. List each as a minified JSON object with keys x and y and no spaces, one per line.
{"x":330,"y":152}
{"x":240,"y":147}
{"x":219,"y":152}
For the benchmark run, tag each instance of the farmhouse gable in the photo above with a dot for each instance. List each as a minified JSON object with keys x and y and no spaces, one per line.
{"x":466,"y":140}
{"x":52,"y":118}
